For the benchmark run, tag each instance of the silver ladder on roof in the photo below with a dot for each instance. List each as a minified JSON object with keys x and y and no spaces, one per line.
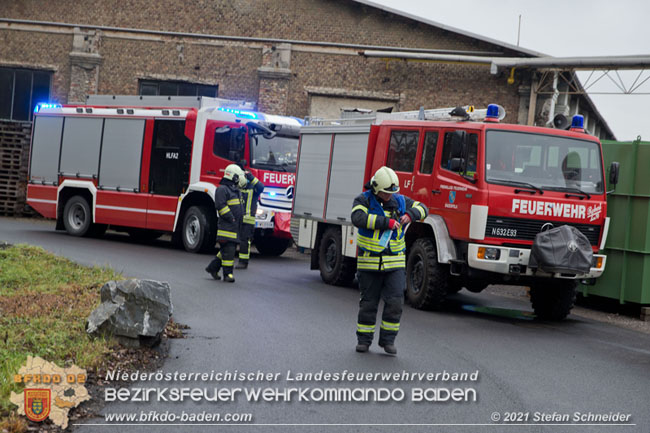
{"x":365,"y":117}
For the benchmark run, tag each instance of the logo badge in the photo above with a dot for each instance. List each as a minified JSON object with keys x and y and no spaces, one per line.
{"x":290,"y":192}
{"x":452,"y":196}
{"x":546,"y":227}
{"x":37,"y":404}
{"x":572,"y":246}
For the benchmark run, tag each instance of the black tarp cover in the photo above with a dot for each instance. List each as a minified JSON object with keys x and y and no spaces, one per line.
{"x":562,"y":249}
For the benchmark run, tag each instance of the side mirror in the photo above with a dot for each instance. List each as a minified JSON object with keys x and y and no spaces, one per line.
{"x":613,"y":173}
{"x":242,"y":163}
{"x":456,"y":164}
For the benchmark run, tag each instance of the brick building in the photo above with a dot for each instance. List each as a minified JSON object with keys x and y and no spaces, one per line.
{"x":298,"y":57}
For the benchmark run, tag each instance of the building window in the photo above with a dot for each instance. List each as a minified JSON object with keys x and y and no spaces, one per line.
{"x":21,"y":90}
{"x":177,"y":88}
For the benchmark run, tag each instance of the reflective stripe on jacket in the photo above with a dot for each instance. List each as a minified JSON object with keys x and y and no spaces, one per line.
{"x":227,"y":200}
{"x":372,"y":219}
{"x":250,"y":196}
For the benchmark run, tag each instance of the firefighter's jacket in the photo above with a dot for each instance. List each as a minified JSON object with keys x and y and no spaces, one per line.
{"x":372,"y":219}
{"x":228,"y":202}
{"x":250,"y":195}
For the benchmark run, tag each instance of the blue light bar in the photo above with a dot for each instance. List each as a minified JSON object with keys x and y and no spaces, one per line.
{"x":42,"y":105}
{"x":578,"y":122}
{"x":239,"y":113}
{"x":272,"y":194}
{"x":492,"y":112}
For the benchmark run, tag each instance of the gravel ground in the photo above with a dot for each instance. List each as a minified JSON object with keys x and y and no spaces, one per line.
{"x":605,"y":312}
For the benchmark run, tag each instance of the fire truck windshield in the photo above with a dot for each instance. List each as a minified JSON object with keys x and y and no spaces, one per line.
{"x":544,"y":161}
{"x":278,"y":153}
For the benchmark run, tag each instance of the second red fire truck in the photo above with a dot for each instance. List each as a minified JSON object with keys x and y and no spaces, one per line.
{"x":150,"y":165}
{"x":490,"y":188}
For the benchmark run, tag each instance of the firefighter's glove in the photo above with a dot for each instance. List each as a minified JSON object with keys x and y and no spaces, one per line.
{"x":405,"y":219}
{"x":393,"y":224}
{"x":249,"y":176}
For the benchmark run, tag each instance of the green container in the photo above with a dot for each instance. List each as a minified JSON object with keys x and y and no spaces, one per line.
{"x":626,"y":278}
{"x":627,"y":270}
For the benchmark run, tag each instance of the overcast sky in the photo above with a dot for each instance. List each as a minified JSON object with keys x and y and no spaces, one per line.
{"x":562,"y":28}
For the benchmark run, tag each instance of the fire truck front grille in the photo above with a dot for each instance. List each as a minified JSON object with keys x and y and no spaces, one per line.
{"x":526,"y":230}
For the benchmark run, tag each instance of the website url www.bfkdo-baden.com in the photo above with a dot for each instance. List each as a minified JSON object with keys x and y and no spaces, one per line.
{"x":167,"y":417}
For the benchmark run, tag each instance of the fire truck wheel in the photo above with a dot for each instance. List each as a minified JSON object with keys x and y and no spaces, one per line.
{"x":335,"y":268}
{"x":199,"y":230}
{"x":270,"y":246}
{"x":77,"y":216}
{"x":426,"y":279}
{"x":554,"y":299}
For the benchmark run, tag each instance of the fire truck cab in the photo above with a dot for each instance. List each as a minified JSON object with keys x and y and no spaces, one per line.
{"x":490,"y":189}
{"x":151,"y":165}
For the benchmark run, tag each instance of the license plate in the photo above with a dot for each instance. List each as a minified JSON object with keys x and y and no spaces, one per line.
{"x":264,"y":224}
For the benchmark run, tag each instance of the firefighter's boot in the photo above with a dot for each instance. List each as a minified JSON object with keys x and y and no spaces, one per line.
{"x":389,"y":348}
{"x":228,"y":275}
{"x":362,"y":348}
{"x":214,"y":267}
{"x":243,"y":264}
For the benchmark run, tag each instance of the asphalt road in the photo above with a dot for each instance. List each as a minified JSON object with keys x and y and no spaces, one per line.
{"x":279,"y":316}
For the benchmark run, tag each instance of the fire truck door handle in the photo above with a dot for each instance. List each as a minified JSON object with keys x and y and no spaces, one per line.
{"x":435,"y":191}
{"x":210,"y":172}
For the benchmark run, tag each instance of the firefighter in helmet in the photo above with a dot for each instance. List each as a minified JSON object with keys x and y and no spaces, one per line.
{"x":380,"y":215}
{"x":228,"y":202}
{"x":251,"y":188}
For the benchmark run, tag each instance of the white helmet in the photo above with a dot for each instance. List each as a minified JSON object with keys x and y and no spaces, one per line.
{"x":385,"y":180}
{"x":234,"y":173}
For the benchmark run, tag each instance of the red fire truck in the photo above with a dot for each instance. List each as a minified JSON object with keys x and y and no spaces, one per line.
{"x":150,"y":165}
{"x":490,"y":189}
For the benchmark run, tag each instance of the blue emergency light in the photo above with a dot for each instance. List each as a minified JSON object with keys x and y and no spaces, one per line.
{"x":42,"y":105}
{"x":492,"y":114}
{"x":578,"y":122}
{"x":272,"y":194}
{"x":244,"y":114}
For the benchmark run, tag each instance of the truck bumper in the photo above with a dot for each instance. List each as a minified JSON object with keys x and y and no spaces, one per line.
{"x":271,"y":221}
{"x":514,"y":261}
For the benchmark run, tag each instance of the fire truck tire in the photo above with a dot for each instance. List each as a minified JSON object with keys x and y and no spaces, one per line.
{"x":426,"y":279}
{"x":199,"y":230}
{"x":335,"y":268}
{"x":270,"y":246}
{"x":77,"y":216}
{"x":554,"y":299}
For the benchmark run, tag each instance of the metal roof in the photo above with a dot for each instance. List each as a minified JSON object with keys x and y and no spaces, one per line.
{"x":391,"y":10}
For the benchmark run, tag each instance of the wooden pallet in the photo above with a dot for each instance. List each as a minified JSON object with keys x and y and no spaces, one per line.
{"x":15,"y":138}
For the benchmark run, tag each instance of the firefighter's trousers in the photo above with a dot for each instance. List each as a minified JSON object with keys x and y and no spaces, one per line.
{"x":226,"y":255}
{"x":245,"y":236}
{"x":375,"y":286}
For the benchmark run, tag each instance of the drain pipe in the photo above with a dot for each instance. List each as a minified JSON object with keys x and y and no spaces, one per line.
{"x":556,"y":93}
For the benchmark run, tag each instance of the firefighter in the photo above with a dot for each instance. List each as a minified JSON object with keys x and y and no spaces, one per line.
{"x":228,"y":202}
{"x":251,"y":188}
{"x":380,"y":215}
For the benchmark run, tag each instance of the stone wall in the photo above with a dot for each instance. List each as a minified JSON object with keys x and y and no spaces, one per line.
{"x":319,"y":49}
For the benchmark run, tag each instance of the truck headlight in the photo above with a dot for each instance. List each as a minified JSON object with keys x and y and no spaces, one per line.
{"x":261,"y":214}
{"x":485,"y":253}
